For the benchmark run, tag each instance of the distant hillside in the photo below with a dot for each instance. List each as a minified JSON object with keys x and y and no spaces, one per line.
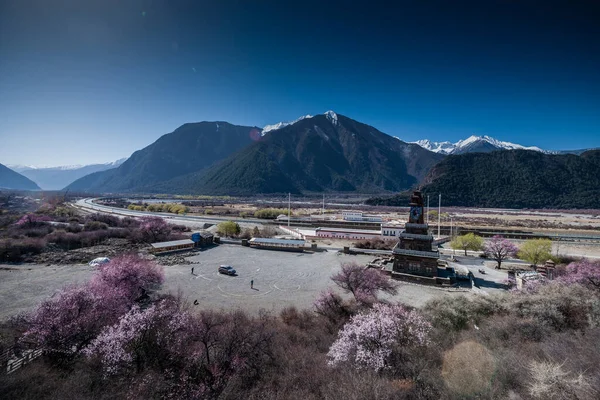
{"x":189,"y":148}
{"x":327,"y":152}
{"x":56,"y":178}
{"x":10,"y":179}
{"x":576,"y":152}
{"x":513,"y":179}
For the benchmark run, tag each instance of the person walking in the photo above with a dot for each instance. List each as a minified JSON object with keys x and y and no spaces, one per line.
{"x":252,"y":284}
{"x":192,"y":270}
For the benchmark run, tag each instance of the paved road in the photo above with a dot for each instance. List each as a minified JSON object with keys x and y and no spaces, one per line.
{"x":89,"y":205}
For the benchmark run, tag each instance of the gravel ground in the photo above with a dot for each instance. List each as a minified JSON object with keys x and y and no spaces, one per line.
{"x":281,"y":279}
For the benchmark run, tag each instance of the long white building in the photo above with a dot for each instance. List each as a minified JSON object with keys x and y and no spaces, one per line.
{"x":360,"y":216}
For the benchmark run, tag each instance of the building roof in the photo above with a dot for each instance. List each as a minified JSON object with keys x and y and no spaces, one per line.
{"x":161,"y":245}
{"x":204,"y":234}
{"x":392,"y":224}
{"x":416,"y":253}
{"x":289,"y":242}
{"x":345,"y":230}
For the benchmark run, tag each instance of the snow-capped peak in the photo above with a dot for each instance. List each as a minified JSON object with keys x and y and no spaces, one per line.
{"x":332,"y":117}
{"x":280,"y":125}
{"x":436,"y":147}
{"x":467,"y":144}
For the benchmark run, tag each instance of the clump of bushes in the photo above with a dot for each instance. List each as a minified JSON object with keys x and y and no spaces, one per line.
{"x":174,"y":208}
{"x":94,"y":226}
{"x":12,"y":250}
{"x":270,"y":213}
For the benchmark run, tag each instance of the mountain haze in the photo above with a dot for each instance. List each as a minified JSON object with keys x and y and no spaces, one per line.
{"x":10,"y":179}
{"x":328,"y":152}
{"x":189,"y":148}
{"x":56,"y":178}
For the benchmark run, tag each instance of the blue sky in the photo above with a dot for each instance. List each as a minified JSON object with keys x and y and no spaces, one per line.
{"x":93,"y":81}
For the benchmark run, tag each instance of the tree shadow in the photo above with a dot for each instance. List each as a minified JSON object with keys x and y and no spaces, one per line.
{"x":479,"y":282}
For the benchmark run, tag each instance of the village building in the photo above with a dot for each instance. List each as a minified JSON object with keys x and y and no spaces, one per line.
{"x":173,"y":245}
{"x":202,"y":238}
{"x":277,"y":244}
{"x":344,"y":233}
{"x":359,"y":216}
{"x":391,"y":231}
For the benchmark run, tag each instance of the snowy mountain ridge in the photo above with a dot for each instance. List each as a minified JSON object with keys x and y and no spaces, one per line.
{"x":331,"y":116}
{"x":474,"y":144}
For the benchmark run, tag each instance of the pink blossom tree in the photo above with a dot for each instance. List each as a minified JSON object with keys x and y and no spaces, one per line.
{"x":363,"y":283}
{"x":141,"y":338}
{"x":368,"y":340}
{"x":31,"y":220}
{"x":153,"y":229}
{"x":127,"y":277}
{"x":499,"y":249}
{"x":584,"y":272}
{"x":197,"y":354}
{"x":67,"y":322}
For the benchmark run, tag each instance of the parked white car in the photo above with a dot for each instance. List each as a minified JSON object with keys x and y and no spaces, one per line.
{"x":98,"y":261}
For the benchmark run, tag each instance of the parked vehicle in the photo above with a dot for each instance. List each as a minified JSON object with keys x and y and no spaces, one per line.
{"x":227,"y":270}
{"x":98,"y":261}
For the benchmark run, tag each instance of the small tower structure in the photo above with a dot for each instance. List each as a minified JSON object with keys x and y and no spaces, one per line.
{"x":414,"y":254}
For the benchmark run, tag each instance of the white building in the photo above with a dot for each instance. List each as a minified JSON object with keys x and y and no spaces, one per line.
{"x":391,"y":231}
{"x":360,"y":216}
{"x":343,"y":233}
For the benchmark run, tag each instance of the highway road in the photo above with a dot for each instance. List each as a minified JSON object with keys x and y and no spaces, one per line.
{"x":90,"y":206}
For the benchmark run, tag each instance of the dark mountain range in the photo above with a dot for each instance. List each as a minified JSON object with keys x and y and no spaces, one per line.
{"x":56,"y":178}
{"x":513,"y":179}
{"x":576,"y":152}
{"x":10,"y":179}
{"x":322,"y":153}
{"x":189,"y":148}
{"x":327,"y":152}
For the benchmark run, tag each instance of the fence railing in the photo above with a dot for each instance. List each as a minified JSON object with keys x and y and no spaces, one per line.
{"x":12,"y":359}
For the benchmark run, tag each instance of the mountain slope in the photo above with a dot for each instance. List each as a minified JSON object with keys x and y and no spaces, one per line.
{"x":189,"y":148}
{"x":10,"y":179}
{"x":56,"y":178}
{"x":515,"y":179}
{"x":473,"y":144}
{"x":327,"y":152}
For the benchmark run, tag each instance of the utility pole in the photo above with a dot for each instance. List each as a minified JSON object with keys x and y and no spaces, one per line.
{"x":427,"y":209}
{"x":289,"y":208}
{"x":439,"y":214}
{"x":323,"y":212}
{"x":451,"y":227}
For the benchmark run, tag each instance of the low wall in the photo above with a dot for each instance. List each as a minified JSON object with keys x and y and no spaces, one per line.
{"x":424,"y":280}
{"x":292,"y":232}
